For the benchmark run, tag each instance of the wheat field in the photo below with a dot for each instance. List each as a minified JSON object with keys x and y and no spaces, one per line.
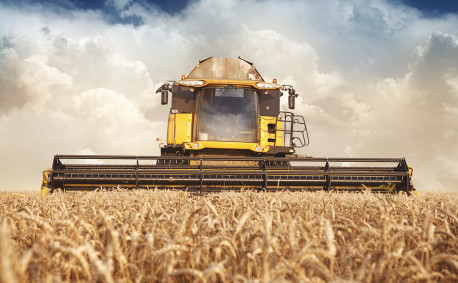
{"x":172,"y":236}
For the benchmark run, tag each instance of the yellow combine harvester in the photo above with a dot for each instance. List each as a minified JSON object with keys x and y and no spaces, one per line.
{"x":226,"y":131}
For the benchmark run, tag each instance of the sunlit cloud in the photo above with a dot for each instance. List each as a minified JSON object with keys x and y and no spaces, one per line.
{"x":375,"y":78}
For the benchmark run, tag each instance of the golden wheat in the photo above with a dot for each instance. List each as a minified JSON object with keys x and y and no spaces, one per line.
{"x":171,"y":236}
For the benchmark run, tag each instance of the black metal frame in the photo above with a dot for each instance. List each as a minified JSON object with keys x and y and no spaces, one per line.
{"x":291,"y":132}
{"x":205,"y":174}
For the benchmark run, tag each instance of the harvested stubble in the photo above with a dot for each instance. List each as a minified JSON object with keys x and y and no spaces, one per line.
{"x":145,"y":236}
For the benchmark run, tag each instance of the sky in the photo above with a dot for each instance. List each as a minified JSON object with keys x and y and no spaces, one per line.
{"x":376,"y":78}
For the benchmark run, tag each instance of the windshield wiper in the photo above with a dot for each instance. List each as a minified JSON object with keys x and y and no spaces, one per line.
{"x":226,"y":89}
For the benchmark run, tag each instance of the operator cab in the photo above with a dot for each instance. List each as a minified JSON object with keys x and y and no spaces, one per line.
{"x":224,"y":107}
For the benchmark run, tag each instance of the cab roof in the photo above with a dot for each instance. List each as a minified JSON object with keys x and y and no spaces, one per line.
{"x":225,"y":69}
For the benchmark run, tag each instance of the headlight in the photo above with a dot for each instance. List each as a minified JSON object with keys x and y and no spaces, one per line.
{"x":267,"y":86}
{"x":258,"y":148}
{"x":191,"y":83}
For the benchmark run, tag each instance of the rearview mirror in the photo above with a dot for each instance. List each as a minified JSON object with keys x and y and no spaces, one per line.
{"x":291,"y":101}
{"x":164,"y":97}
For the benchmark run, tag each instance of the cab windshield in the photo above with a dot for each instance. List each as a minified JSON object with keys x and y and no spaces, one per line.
{"x":227,"y":114}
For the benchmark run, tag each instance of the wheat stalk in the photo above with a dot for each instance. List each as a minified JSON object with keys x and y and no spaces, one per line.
{"x":171,"y":236}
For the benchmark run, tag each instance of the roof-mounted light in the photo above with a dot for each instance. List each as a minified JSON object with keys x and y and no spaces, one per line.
{"x":267,"y":86}
{"x":191,"y":83}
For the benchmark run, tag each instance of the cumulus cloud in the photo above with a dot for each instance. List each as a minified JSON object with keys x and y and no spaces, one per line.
{"x":62,"y":94}
{"x":421,"y":111}
{"x":413,"y":116}
{"x":375,"y":77}
{"x":119,"y":4}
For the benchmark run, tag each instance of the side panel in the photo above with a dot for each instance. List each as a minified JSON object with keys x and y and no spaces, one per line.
{"x":45,"y":185}
{"x":270,"y":131}
{"x":179,"y":128}
{"x":279,"y":134}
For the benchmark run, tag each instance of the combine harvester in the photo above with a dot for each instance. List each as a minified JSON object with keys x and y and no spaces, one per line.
{"x":226,"y":132}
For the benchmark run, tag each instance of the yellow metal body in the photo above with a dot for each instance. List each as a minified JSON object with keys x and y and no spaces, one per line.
{"x":182,"y":125}
{"x":45,"y":185}
{"x":239,"y":83}
{"x":179,"y":128}
{"x":264,"y":134}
